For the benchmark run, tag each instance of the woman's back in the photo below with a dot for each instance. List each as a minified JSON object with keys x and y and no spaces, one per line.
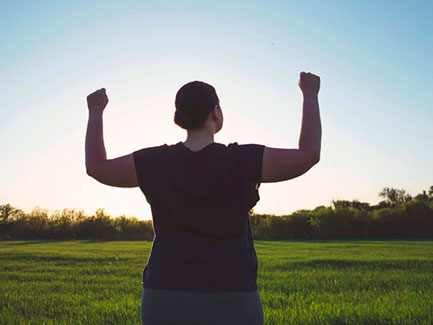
{"x":200,"y":202}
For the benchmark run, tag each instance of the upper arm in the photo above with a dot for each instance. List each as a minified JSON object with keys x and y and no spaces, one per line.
{"x":283,"y":164}
{"x":119,"y":172}
{"x":251,"y":157}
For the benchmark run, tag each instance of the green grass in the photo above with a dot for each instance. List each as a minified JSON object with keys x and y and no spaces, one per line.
{"x":300,"y":282}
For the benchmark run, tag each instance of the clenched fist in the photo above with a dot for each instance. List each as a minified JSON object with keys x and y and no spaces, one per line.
{"x":309,"y":84}
{"x":97,"y":101}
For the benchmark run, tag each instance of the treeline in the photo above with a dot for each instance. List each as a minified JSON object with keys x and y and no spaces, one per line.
{"x":69,"y":223}
{"x":398,"y":215}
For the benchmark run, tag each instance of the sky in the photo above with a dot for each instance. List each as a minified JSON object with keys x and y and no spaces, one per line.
{"x":374,"y":60}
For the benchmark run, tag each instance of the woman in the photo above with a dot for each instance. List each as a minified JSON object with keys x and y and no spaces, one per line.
{"x":202,"y":268}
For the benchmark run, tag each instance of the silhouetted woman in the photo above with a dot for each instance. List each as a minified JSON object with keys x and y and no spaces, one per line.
{"x":202,"y":268}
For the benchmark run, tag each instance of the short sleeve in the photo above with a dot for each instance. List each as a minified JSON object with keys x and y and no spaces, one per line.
{"x":251,"y":160}
{"x":145,"y":160}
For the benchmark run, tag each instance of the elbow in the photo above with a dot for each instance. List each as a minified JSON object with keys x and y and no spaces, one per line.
{"x":313,"y":157}
{"x":316,"y":158}
{"x":90,"y":171}
{"x":93,"y":168}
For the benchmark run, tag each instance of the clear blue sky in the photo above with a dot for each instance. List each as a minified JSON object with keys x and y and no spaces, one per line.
{"x":374,"y":60}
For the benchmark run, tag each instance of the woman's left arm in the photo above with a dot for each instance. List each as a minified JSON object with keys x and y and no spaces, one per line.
{"x":119,"y":172}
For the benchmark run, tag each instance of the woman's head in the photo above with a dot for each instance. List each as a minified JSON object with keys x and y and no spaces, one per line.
{"x":197,"y":107}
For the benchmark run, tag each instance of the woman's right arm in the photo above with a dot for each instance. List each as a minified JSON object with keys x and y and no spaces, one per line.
{"x":283,"y":164}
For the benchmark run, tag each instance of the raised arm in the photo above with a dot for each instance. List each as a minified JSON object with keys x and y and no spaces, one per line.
{"x":311,"y":129}
{"x":118,"y":172}
{"x":283,"y":164}
{"x":95,"y":148}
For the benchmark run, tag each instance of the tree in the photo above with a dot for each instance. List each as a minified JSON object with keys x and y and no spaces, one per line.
{"x":395,"y":196}
{"x":360,"y":205}
{"x":7,"y":212}
{"x":422,"y":196}
{"x":354,"y":204}
{"x":430,"y":192}
{"x":340,"y":203}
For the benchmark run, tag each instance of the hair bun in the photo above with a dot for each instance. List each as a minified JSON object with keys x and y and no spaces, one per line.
{"x":183,"y":119}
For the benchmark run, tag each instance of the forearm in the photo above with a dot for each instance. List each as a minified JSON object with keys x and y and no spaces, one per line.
{"x":311,"y":128}
{"x":95,"y":148}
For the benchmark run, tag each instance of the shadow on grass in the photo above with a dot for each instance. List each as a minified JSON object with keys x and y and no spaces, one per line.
{"x":24,"y":242}
{"x":360,"y":241}
{"x":33,"y":258}
{"x":416,"y":265}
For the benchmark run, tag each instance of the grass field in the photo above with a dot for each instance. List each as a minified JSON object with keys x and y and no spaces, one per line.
{"x":300,"y":282}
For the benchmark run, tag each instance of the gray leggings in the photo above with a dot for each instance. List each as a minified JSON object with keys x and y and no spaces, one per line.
{"x":166,"y":307}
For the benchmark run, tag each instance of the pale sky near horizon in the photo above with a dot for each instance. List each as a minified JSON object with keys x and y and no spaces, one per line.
{"x":374,"y":60}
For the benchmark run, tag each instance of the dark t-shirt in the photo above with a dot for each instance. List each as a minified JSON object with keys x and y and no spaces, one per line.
{"x":200,"y":201}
